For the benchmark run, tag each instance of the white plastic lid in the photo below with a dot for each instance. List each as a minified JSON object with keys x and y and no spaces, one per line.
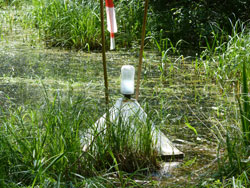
{"x":127,"y":79}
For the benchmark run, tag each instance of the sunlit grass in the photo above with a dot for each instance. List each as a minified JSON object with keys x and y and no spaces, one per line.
{"x":43,"y":145}
{"x":68,"y":24}
{"x":59,"y":161}
{"x":231,"y":61}
{"x":76,"y":24}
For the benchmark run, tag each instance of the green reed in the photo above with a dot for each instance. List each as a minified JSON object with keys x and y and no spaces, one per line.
{"x":68,"y":24}
{"x":224,"y":59}
{"x":245,"y":107}
{"x":41,"y":146}
{"x":16,"y":3}
{"x":76,"y":24}
{"x":230,"y":61}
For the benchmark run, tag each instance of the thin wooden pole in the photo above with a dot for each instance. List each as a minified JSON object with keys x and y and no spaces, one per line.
{"x":141,"y":51}
{"x":104,"y":56}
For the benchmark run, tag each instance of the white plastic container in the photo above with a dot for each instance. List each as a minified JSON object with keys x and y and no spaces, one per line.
{"x":127,"y":80}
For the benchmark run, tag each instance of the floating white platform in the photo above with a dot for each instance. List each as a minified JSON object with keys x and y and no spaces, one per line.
{"x":129,"y":110}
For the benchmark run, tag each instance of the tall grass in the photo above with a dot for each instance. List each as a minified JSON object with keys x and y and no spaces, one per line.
{"x":68,"y":24}
{"x":130,"y":18}
{"x":232,"y":64}
{"x":42,"y":146}
{"x":233,"y":165}
{"x":76,"y":24}
{"x":245,"y":108}
{"x":225,"y":59}
{"x":170,"y":54}
{"x":16,"y":3}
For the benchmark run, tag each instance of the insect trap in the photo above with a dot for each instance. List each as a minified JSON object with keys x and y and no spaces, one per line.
{"x":129,"y":112}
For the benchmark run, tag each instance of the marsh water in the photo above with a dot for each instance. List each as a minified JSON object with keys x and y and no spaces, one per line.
{"x":175,"y":92}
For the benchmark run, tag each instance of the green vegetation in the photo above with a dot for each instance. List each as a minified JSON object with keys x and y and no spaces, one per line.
{"x":197,"y":22}
{"x":17,"y":3}
{"x":41,"y":146}
{"x":231,"y":61}
{"x":75,"y":24}
{"x":245,"y":111}
{"x":195,"y":87}
{"x":69,"y":24}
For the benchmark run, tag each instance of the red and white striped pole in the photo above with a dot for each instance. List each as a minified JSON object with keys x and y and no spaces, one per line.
{"x":111,"y":22}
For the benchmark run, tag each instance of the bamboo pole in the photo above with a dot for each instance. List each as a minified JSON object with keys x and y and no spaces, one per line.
{"x":141,"y":51}
{"x":104,"y":56}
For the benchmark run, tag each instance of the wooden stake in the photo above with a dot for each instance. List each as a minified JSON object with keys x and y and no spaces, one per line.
{"x":104,"y":56}
{"x":141,"y":51}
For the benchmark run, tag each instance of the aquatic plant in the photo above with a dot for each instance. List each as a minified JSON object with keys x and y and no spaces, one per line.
{"x":68,"y":24}
{"x":231,"y":61}
{"x":16,"y":3}
{"x":225,"y":59}
{"x":76,"y":24}
{"x":245,"y":107}
{"x":42,"y":146}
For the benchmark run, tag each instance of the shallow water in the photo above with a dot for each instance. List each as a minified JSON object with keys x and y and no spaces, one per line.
{"x":175,"y":94}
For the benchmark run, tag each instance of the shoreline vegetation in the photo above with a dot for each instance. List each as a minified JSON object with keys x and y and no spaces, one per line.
{"x":195,"y":88}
